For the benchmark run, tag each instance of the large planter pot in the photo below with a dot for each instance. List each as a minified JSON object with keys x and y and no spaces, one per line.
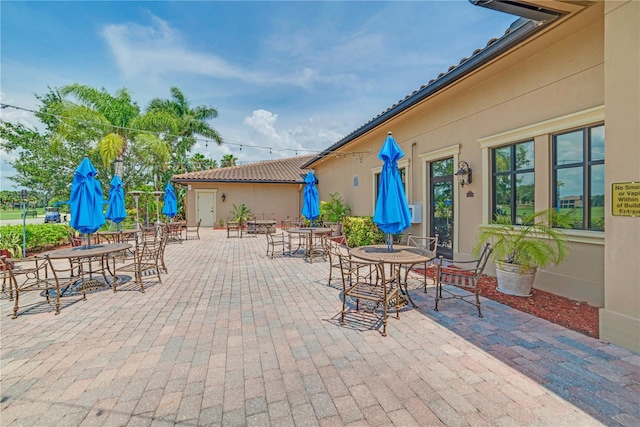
{"x":514,"y":279}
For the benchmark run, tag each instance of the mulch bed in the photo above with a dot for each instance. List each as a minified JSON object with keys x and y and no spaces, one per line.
{"x":574,"y":315}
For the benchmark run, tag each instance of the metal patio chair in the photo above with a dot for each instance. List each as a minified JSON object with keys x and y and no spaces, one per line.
{"x":428,"y":245}
{"x":366,"y":280}
{"x":461,"y":274}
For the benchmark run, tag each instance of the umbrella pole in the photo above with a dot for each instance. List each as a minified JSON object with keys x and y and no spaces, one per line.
{"x":389,"y":242}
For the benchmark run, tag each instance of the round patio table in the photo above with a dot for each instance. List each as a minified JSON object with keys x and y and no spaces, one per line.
{"x":309,"y":233}
{"x":117,"y":236}
{"x":399,"y":256}
{"x":96,"y":252}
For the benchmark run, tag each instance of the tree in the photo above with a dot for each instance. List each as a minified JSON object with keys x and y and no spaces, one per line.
{"x":117,"y":122}
{"x":228,"y":160}
{"x":199,"y":162}
{"x":190,"y":122}
{"x":39,"y":166}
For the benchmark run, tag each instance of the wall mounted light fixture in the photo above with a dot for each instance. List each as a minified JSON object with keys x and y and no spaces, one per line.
{"x":223,"y":197}
{"x":464,"y":173}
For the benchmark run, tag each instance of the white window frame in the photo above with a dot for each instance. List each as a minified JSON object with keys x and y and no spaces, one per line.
{"x":541,"y":133}
{"x":402,"y":164}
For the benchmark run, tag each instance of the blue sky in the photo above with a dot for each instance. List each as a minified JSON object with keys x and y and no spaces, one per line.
{"x":285,"y":76}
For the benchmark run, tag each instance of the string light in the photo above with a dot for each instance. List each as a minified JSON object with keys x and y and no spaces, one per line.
{"x":164,"y":135}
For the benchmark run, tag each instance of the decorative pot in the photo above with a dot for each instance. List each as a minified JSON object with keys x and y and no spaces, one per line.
{"x":514,"y":279}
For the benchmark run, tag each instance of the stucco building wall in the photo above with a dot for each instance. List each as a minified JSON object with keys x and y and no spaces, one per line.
{"x":271,"y":201}
{"x":556,"y":75}
{"x":620,"y":317}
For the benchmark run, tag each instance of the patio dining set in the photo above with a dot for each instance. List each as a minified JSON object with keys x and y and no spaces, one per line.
{"x":85,"y":267}
{"x":378,"y":275}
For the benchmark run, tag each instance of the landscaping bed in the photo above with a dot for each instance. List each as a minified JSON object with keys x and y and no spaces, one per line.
{"x":575,"y":315}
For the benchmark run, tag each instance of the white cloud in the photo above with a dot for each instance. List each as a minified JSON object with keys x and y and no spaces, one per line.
{"x":160,"y":50}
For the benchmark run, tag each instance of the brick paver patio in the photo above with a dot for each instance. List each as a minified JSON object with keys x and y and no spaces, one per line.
{"x":232,"y":337}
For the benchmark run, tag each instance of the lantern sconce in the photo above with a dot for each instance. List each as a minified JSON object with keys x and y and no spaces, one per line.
{"x":224,"y":197}
{"x":464,"y":173}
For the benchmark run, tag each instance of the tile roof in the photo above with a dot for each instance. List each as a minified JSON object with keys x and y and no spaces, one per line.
{"x":283,"y":171}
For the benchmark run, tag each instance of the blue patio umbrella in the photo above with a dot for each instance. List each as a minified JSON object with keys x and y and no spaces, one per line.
{"x":170,"y":208}
{"x":392,"y":211}
{"x":116,"y":211}
{"x":311,"y":199}
{"x":86,"y":200}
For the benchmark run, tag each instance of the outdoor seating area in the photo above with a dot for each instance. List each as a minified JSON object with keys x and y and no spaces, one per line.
{"x":272,"y":339}
{"x":83,"y":268}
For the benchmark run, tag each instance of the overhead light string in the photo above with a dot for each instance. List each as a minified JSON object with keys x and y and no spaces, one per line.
{"x":164,"y":135}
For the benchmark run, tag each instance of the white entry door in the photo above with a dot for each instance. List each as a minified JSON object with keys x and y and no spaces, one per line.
{"x":206,"y":207}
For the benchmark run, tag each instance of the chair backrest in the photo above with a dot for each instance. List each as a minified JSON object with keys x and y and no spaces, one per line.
{"x":355,"y":270}
{"x":73,"y":239}
{"x":151,"y":250}
{"x":337,"y":245}
{"x":428,"y":244}
{"x":270,"y":237}
{"x":484,"y":257}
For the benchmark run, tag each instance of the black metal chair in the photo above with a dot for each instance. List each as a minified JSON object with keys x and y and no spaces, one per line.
{"x":464,"y":275}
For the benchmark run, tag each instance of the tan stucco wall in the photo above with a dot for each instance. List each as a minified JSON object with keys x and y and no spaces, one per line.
{"x":620,"y":317}
{"x":559,"y":73}
{"x":271,"y":201}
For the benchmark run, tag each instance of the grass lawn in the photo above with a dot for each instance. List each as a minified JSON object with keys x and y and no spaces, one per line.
{"x":6,"y":214}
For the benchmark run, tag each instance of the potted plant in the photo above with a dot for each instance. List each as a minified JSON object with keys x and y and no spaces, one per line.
{"x":333,"y":212}
{"x":519,"y":250}
{"x":241,"y":214}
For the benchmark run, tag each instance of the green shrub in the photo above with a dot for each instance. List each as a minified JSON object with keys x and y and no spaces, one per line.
{"x":361,"y":231}
{"x":334,"y":210}
{"x":39,"y":237}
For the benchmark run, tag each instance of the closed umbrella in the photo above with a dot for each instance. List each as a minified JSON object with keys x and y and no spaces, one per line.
{"x":170,"y":208}
{"x":392,"y":211}
{"x":116,"y":211}
{"x":86,"y":200}
{"x":311,"y":199}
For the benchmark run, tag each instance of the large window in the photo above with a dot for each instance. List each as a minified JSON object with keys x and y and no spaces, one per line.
{"x":578,"y":176}
{"x":513,"y":180}
{"x":402,"y":170}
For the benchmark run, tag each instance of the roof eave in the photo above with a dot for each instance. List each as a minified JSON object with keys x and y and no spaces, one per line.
{"x":236,"y":181}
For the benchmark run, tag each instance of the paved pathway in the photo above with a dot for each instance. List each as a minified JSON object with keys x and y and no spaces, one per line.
{"x":234,"y":338}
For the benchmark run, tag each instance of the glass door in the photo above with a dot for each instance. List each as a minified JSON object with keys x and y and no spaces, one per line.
{"x":441,"y":212}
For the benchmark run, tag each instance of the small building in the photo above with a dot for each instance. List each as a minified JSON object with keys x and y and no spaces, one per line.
{"x":271,"y":189}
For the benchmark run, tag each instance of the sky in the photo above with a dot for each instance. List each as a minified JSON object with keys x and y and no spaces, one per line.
{"x":287,"y":78}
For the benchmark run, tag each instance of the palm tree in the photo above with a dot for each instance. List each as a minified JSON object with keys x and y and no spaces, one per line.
{"x":117,"y":121}
{"x":199,"y":162}
{"x":228,"y":160}
{"x":191,"y":122}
